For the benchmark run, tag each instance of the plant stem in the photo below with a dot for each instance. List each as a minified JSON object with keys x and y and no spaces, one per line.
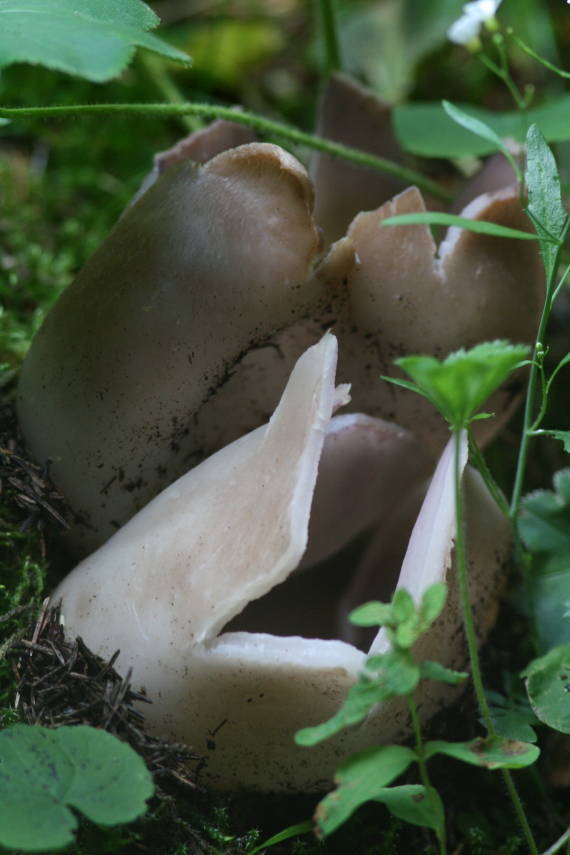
{"x":463,"y":584}
{"x":252,"y":120}
{"x":556,"y":847}
{"x":534,"y":373}
{"x":167,"y":87}
{"x":470,"y":634}
{"x":424,"y":774}
{"x":329,"y":30}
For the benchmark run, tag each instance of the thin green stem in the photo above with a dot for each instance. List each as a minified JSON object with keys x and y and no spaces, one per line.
{"x":463,"y":584}
{"x":557,"y":846}
{"x":470,"y":634}
{"x":329,"y":30}
{"x":157,"y":72}
{"x":420,"y":753}
{"x":534,"y":374}
{"x":258,"y":123}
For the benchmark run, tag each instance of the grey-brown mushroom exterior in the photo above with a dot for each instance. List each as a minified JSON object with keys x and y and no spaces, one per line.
{"x":165,"y":586}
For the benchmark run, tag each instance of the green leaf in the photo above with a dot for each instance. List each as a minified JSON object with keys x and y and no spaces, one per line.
{"x":481,"y":129}
{"x":359,"y":780}
{"x":544,"y":525}
{"x":460,"y":384}
{"x":94,"y":39}
{"x":545,"y":206}
{"x":372,"y":614}
{"x":415,"y":804}
{"x":514,"y":723}
{"x":395,"y":671}
{"x":44,"y":772}
{"x":548,"y":687}
{"x":436,"y":218}
{"x":495,"y":752}
{"x":286,"y":834}
{"x":433,"y":601}
{"x":562,"y":435}
{"x":425,"y":128}
{"x":435,"y":671}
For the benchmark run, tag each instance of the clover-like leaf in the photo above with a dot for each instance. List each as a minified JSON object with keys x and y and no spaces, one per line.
{"x":494,"y":752}
{"x":548,"y":687}
{"x":461,"y":383}
{"x":361,"y":778}
{"x":45,"y":772}
{"x":95,"y":39}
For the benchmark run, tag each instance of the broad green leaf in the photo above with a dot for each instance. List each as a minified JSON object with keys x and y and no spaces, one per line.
{"x":460,"y":384}
{"x":481,"y":129}
{"x":550,"y":598}
{"x":495,"y":752}
{"x":548,"y":687}
{"x":425,"y":128}
{"x":359,"y":780}
{"x":415,"y":804}
{"x":433,"y":601}
{"x":94,"y":39}
{"x":372,"y":614}
{"x":435,"y":671}
{"x":436,"y":218}
{"x":544,"y":196}
{"x":44,"y":772}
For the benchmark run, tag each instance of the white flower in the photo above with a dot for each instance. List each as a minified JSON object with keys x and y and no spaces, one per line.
{"x":466,"y":28}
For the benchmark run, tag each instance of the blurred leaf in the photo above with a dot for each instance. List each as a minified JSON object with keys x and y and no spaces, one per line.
{"x":461,"y":383}
{"x":395,"y":671}
{"x":286,"y":834}
{"x":481,"y":129}
{"x":433,"y":601}
{"x":435,"y":671}
{"x":362,"y":778}
{"x":383,"y":42}
{"x":425,"y":128}
{"x":544,"y":525}
{"x":415,"y":804}
{"x":44,"y":772}
{"x":495,"y":752}
{"x":226,"y":49}
{"x":548,"y":687}
{"x":437,"y":218}
{"x":512,"y":720}
{"x":372,"y":614}
{"x":94,"y":39}
{"x":562,"y":435}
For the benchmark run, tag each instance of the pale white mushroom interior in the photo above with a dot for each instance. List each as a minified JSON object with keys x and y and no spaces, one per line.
{"x":230,"y":531}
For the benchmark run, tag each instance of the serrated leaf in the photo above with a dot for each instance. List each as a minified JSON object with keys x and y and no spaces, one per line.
{"x":544,"y":195}
{"x":435,"y":671}
{"x":425,"y":128}
{"x":480,"y":129}
{"x":371,"y":614}
{"x":548,"y":687}
{"x":562,"y":435}
{"x":415,"y":804}
{"x":44,"y":772}
{"x":495,"y":752}
{"x":462,"y":382}
{"x":359,"y":780}
{"x":437,"y":218}
{"x":94,"y":39}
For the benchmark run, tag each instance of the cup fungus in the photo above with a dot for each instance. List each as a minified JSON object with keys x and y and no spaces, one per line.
{"x":170,"y":351}
{"x":180,"y":332}
{"x":234,"y":529}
